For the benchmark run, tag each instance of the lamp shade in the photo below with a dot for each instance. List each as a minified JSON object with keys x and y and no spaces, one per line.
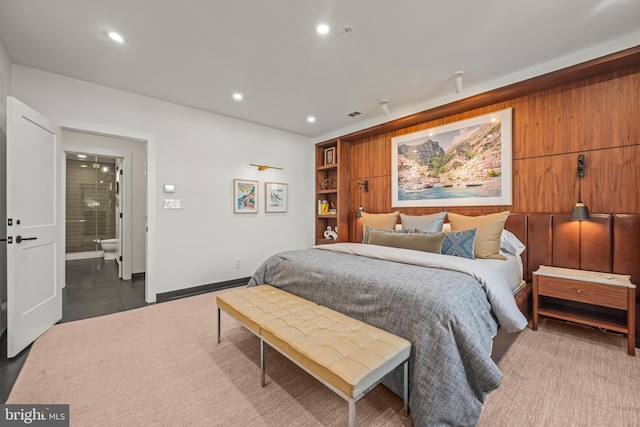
{"x":359,"y":212}
{"x":580,"y":213}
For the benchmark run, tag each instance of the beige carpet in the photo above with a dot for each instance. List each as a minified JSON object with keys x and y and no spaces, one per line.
{"x":566,"y":375}
{"x":161,"y":366}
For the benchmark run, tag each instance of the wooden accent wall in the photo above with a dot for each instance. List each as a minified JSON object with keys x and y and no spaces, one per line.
{"x":598,"y":116}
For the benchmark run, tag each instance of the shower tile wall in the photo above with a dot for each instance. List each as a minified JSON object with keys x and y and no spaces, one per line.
{"x":91,"y":205}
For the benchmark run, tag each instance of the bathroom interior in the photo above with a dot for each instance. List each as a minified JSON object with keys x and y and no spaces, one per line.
{"x":92,"y":202}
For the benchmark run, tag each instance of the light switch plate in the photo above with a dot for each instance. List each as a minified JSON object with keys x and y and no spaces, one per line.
{"x":169,"y":188}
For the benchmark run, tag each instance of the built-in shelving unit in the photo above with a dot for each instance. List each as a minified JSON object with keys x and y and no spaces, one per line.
{"x":332,"y":177}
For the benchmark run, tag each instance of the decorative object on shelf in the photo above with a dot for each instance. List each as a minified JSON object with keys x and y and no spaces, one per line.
{"x":328,"y":184}
{"x":275,"y":197}
{"x":465,"y":163}
{"x":324,"y":207}
{"x":264,"y":167}
{"x":330,"y":234}
{"x":580,"y":212}
{"x":330,"y":156}
{"x":332,"y":208}
{"x":245,"y":196}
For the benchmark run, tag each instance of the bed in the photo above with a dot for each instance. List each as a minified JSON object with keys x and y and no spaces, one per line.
{"x":448,"y":310}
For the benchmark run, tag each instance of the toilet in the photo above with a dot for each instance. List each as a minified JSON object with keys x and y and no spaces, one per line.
{"x":109,"y":247}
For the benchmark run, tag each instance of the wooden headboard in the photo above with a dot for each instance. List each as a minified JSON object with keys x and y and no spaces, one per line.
{"x":609,"y":243}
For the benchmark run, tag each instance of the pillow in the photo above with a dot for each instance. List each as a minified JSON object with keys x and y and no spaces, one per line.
{"x":510,"y":243}
{"x":459,"y":243}
{"x":368,"y":229}
{"x":489,"y":229}
{"x":382,"y":221}
{"x":417,"y":242}
{"x":432,"y":223}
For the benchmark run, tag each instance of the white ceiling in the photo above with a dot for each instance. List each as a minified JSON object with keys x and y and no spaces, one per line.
{"x":198,"y":52}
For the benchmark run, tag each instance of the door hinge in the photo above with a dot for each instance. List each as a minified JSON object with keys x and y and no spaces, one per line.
{"x":120,"y":257}
{"x":120,"y":172}
{"x":10,"y":222}
{"x":9,"y":239}
{"x":120,"y":214}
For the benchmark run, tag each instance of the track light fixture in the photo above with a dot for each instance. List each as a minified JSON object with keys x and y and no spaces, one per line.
{"x":385,"y":106}
{"x":457,"y":77}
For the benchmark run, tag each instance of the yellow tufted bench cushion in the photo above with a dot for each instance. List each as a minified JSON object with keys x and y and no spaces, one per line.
{"x":258,"y":304}
{"x":347,"y":353}
{"x":349,"y":356}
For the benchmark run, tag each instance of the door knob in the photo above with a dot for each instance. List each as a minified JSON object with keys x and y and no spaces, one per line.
{"x":20,"y":238}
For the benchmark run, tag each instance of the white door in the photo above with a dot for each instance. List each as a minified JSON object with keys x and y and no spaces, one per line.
{"x":34,"y":301}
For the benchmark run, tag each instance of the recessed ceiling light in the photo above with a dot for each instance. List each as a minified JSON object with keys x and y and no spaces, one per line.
{"x":82,"y":156}
{"x":322,"y":29}
{"x":116,"y":37}
{"x":311,"y":119}
{"x":237,"y":96}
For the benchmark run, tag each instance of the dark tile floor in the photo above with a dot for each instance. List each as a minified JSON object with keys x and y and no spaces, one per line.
{"x":93,"y":289}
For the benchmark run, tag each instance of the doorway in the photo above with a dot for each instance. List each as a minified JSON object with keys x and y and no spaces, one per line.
{"x":105,"y":223}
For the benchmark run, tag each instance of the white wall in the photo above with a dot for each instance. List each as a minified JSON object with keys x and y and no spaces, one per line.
{"x":200,"y":153}
{"x":136,"y":151}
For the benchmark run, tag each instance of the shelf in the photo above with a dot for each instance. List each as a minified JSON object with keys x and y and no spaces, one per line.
{"x":330,"y":216}
{"x":331,"y":191}
{"x":324,"y":241}
{"x":327,"y":167}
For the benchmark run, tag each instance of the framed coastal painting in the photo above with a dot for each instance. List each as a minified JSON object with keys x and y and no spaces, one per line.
{"x":275,"y":197}
{"x":464,"y":163}
{"x":245,"y":196}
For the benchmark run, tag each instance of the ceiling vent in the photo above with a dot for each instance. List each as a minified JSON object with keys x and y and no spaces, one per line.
{"x":355,"y":114}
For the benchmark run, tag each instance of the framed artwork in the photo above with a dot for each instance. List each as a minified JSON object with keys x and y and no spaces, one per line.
{"x":245,"y":196}
{"x":330,"y":156}
{"x":465,"y":163}
{"x":275,"y":197}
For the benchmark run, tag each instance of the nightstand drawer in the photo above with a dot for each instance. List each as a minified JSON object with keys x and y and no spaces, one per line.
{"x":584,"y":292}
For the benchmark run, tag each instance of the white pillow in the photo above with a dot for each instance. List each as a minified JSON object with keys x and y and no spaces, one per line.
{"x":510,"y":243}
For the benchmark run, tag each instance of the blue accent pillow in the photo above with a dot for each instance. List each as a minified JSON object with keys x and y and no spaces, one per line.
{"x":459,"y":243}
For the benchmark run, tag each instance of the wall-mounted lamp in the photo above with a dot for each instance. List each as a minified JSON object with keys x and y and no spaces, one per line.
{"x":457,"y":78}
{"x":264,"y":167}
{"x":385,"y":106}
{"x":580,"y":212}
{"x":364,"y":185}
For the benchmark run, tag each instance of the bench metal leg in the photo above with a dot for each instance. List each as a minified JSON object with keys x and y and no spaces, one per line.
{"x":218,"y":325}
{"x":406,"y":388}
{"x":262,"y":362}
{"x":352,"y":412}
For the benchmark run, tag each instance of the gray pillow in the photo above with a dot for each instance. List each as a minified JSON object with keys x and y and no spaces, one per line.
{"x":368,"y":228}
{"x":417,"y":242}
{"x":431,"y":223}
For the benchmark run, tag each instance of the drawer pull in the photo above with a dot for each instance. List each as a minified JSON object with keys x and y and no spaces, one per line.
{"x":579,"y":291}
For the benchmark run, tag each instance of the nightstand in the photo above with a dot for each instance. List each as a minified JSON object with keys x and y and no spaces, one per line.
{"x":594,"y":290}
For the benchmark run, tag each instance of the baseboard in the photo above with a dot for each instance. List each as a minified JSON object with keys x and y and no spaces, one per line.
{"x":203,"y":289}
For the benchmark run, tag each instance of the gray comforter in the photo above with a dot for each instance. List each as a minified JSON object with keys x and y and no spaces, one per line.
{"x":445,"y":314}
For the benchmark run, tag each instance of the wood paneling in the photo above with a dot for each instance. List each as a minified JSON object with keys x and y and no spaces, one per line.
{"x":597,"y":116}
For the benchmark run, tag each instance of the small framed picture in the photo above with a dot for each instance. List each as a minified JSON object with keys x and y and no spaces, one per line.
{"x":275,"y":198}
{"x":330,"y":156}
{"x":245,"y":196}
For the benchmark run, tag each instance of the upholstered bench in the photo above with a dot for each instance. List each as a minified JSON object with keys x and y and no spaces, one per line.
{"x":348,"y":356}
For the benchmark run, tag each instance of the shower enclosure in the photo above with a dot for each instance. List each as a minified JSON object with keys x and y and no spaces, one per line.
{"x":91,"y":202}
